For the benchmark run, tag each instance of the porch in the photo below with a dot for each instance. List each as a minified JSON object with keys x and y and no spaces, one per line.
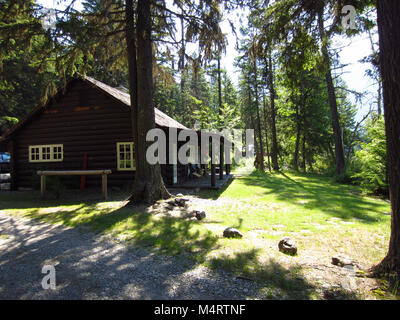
{"x":203,"y":183}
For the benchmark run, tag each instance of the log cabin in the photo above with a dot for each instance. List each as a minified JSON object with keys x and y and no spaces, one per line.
{"x":86,"y":125}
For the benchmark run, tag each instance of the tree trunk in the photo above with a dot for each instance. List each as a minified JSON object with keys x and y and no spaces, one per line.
{"x":303,"y":152}
{"x":182,"y":60}
{"x":221,"y":146}
{"x":378,"y":78}
{"x":339,"y":152}
{"x":388,"y":13}
{"x":258,"y":116}
{"x":266,"y":132}
{"x":274,"y":151}
{"x":309,"y":160}
{"x":297,"y":146}
{"x":132,"y":67}
{"x":219,"y":86}
{"x":379,"y":97}
{"x":148,"y":185}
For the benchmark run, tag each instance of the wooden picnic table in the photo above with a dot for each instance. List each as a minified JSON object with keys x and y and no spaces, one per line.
{"x":103,"y":174}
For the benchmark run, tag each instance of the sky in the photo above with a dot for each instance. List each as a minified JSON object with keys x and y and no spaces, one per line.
{"x":354,"y":73}
{"x":353,"y":51}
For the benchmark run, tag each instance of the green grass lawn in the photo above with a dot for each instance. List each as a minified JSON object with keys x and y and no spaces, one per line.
{"x":324,"y":218}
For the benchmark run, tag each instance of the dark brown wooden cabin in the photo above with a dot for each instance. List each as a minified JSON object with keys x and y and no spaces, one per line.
{"x":88,"y":119}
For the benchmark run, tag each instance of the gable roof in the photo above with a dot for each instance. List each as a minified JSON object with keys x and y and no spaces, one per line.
{"x":161,"y":119}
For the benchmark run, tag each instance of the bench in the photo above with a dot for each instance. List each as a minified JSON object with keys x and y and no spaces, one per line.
{"x":103,"y":174}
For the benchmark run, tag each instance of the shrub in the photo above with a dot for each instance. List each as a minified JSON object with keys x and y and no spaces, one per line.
{"x":369,"y":161}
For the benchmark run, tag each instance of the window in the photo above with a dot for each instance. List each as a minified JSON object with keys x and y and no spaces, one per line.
{"x":125,"y":156}
{"x":46,"y":153}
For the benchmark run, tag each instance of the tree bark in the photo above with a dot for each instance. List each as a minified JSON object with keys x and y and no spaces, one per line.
{"x":297,"y":146}
{"x":219,"y":85}
{"x":221,"y":147}
{"x":304,"y":126}
{"x":388,"y":13}
{"x":303,"y":152}
{"x":266,"y":133}
{"x":132,"y":66}
{"x":339,"y":152}
{"x":182,"y":60}
{"x":148,"y":185}
{"x":258,"y":116}
{"x":379,"y":102}
{"x":274,"y":151}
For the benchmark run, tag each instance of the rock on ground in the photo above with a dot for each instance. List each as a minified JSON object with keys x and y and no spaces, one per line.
{"x":342,"y":261}
{"x":286,"y":245}
{"x":232,"y":233}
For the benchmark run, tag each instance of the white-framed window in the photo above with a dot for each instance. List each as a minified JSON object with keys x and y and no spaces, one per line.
{"x":46,"y":153}
{"x":125,"y":156}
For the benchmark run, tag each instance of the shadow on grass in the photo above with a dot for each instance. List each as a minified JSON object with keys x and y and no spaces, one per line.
{"x":135,"y":225}
{"x":32,"y":199}
{"x":320,"y":192}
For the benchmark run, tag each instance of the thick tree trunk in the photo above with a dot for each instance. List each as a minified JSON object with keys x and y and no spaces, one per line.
{"x":339,"y":152}
{"x":388,"y":12}
{"x":274,"y":151}
{"x":148,"y":185}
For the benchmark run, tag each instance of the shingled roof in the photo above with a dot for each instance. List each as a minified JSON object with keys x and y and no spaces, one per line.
{"x":161,"y":119}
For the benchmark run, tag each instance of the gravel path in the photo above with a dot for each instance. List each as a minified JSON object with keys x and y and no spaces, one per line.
{"x":89,"y":266}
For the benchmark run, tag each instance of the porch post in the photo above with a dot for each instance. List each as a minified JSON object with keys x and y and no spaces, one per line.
{"x":228,"y":169}
{"x":42,"y":185}
{"x":212,"y":167}
{"x":213,"y":175}
{"x":104,"y":185}
{"x":228,"y":159}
